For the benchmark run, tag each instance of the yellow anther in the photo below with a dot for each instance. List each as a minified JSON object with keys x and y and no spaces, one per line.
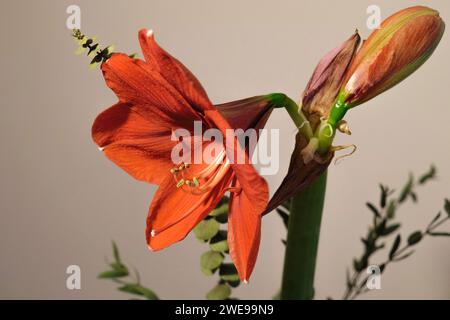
{"x":174,"y":170}
{"x":196,"y":182}
{"x":181,"y":183}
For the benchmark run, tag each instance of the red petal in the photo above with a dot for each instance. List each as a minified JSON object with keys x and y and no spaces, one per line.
{"x":174,"y":212}
{"x":251,"y":182}
{"x":247,"y":113}
{"x":244,"y":233}
{"x":173,"y":71}
{"x":136,"y":83}
{"x":135,"y":143}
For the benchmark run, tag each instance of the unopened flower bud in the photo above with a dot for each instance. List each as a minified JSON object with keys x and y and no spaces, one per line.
{"x":403,"y":43}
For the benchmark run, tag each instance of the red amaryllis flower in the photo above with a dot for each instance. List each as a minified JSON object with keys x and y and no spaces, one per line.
{"x":157,"y":96}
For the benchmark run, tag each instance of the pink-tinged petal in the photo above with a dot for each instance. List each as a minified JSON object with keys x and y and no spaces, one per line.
{"x":323,"y":87}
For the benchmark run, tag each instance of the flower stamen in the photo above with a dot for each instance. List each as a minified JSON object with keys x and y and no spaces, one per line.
{"x":205,"y":179}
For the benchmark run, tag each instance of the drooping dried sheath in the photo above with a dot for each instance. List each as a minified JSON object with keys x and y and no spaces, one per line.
{"x":323,"y":87}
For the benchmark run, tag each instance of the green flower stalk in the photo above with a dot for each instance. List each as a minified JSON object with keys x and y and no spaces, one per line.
{"x":344,"y":79}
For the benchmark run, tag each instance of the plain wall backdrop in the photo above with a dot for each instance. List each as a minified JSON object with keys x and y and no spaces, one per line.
{"x":62,"y":201}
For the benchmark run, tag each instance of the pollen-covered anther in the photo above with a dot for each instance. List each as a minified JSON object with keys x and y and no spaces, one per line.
{"x":181,"y":183}
{"x":192,"y":183}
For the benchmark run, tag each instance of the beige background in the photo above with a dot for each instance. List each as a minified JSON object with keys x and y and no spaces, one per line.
{"x":62,"y":202}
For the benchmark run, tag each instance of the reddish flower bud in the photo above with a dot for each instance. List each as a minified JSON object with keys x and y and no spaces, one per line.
{"x":401,"y":45}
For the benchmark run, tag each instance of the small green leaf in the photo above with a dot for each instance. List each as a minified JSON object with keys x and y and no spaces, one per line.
{"x":395,"y":247}
{"x":390,"y":229}
{"x":407,"y":188}
{"x":415,"y":238}
{"x":431,"y":174}
{"x":111,"y":274}
{"x":139,"y":290}
{"x":210,"y":261}
{"x":373,"y":209}
{"x":359,"y":265}
{"x":447,"y":206}
{"x":206,"y":229}
{"x":118,"y":266}
{"x":284,"y":216}
{"x":436,"y":218}
{"x":219,"y":292}
{"x":439,"y":234}
{"x":130,"y":288}
{"x":228,"y":272}
{"x":390,"y":213}
{"x":234,"y":284}
{"x":383,"y":197}
{"x":221,"y":209}
{"x":222,"y":218}
{"x":381,"y":227}
{"x":219,"y":242}
{"x":116,"y":252}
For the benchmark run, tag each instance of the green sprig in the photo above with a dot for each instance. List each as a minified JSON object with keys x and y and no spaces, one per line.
{"x":384,"y":226}
{"x":208,"y":231}
{"x":118,"y":271}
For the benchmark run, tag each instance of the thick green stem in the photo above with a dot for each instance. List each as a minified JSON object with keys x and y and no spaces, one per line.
{"x":302,"y":241}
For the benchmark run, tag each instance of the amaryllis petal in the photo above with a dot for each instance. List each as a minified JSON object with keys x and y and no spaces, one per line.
{"x":135,"y":143}
{"x":324,"y":85}
{"x":244,"y":233}
{"x":300,"y":175}
{"x":136,"y":83}
{"x":173,"y":70}
{"x":247,"y":113}
{"x":175,"y":212}
{"x":251,"y":182}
